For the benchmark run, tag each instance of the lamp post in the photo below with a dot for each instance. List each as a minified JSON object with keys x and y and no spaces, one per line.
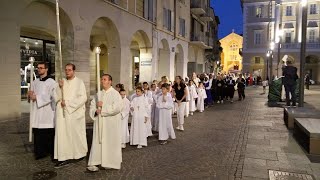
{"x":272,"y":44}
{"x":280,"y":34}
{"x":303,"y":50}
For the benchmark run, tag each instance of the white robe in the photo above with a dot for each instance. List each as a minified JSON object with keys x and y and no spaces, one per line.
{"x":125,"y":136}
{"x":155,"y":126}
{"x":109,"y":153}
{"x":187,"y":109}
{"x":138,"y":132}
{"x":165,"y":117}
{"x":70,"y":131}
{"x":193,"y":95}
{"x":43,"y":110}
{"x":149,"y":97}
{"x":201,"y":96}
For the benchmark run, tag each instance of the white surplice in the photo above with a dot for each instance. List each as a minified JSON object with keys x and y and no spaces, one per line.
{"x":138,"y":132}
{"x":108,"y":154}
{"x":43,"y":110}
{"x":155,"y":126}
{"x":70,"y":131}
{"x":148,"y":95}
{"x":187,"y":109}
{"x":202,"y":95}
{"x":125,"y":136}
{"x":165,"y":117}
{"x":193,"y":95}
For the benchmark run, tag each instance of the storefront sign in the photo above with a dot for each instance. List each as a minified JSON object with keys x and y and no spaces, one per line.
{"x":145,"y":63}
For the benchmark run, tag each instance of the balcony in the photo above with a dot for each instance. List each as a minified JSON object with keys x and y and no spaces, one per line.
{"x":208,"y":15}
{"x":209,"y":42}
{"x":198,"y":7}
{"x":198,"y":39}
{"x":315,"y":45}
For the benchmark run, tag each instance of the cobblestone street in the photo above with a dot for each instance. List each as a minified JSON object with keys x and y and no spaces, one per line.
{"x":243,"y":140}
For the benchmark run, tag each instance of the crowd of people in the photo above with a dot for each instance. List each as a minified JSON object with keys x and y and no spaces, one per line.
{"x":58,"y":113}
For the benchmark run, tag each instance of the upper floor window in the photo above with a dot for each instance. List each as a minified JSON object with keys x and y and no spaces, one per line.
{"x":257,"y":60}
{"x":289,"y":11}
{"x":288,"y":37}
{"x":312,"y":36}
{"x":257,"y":37}
{"x":313,"y":8}
{"x":258,"y":12}
{"x":167,"y":18}
{"x":182,"y":27}
{"x":149,"y":7}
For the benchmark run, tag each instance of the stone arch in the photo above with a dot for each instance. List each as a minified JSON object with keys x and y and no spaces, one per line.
{"x":141,"y":52}
{"x":312,"y":67}
{"x":105,"y":35}
{"x":164,"y":59}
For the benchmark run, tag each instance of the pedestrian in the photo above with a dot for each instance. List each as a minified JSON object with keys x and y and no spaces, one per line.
{"x":201,"y":97}
{"x":70,"y":132}
{"x":106,"y":153}
{"x":208,"y":85}
{"x":193,"y":97}
{"x":289,"y":81}
{"x":264,"y":85}
{"x":165,"y":105}
{"x":155,"y":125}
{"x":148,"y":94}
{"x":230,"y":88}
{"x":125,"y":136}
{"x":241,"y":86}
{"x":139,"y":107}
{"x":187,"y":109}
{"x":220,"y":84}
{"x":43,"y":112}
{"x":180,"y":95}
{"x":307,"y":81}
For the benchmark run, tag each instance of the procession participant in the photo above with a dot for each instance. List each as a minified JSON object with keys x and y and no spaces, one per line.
{"x":241,"y":86}
{"x":195,"y":79}
{"x":201,"y":97}
{"x":220,"y":84}
{"x":43,"y":111}
{"x":193,"y":97}
{"x":119,"y":87}
{"x":125,"y":138}
{"x":230,"y":88}
{"x":180,"y":95}
{"x":70,"y":131}
{"x":207,"y":85}
{"x":155,"y":124}
{"x":187,"y":109}
{"x":148,"y":95}
{"x":165,"y":105}
{"x":139,"y":107}
{"x":106,"y":153}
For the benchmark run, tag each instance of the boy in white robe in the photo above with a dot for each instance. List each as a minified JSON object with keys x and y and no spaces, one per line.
{"x":70,"y":131}
{"x":148,"y":95}
{"x":153,"y":106}
{"x":187,"y":109}
{"x":125,"y":138}
{"x":155,"y":126}
{"x":165,"y":105}
{"x":106,"y":140}
{"x":201,"y":97}
{"x":193,"y":97}
{"x":139,"y":107}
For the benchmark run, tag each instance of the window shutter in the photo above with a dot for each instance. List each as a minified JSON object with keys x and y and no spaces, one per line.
{"x":164,"y":17}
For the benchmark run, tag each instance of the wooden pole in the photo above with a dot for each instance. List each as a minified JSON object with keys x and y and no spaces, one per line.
{"x":98,"y":50}
{"x":31,"y":60}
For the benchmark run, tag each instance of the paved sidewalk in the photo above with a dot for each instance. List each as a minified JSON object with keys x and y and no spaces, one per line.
{"x":243,"y":140}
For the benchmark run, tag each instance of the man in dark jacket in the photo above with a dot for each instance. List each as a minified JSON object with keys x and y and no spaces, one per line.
{"x":289,"y":82}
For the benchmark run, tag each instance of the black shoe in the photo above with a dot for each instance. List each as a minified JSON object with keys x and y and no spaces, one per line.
{"x":78,"y":160}
{"x":61,"y":164}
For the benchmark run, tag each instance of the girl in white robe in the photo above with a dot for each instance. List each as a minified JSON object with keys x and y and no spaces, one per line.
{"x":139,"y":107}
{"x":187,"y":109}
{"x":165,"y":105}
{"x":125,"y":136}
{"x":193,"y":96}
{"x":201,"y":97}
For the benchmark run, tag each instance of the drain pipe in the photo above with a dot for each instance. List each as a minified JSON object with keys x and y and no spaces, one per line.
{"x":175,"y":20}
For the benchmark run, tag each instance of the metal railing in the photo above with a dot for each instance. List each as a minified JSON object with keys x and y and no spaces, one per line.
{"x":309,"y":45}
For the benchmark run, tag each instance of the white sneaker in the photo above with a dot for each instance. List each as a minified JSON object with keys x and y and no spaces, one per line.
{"x":201,"y":111}
{"x":181,"y":128}
{"x":191,"y":114}
{"x":178,"y":127}
{"x":123,"y":146}
{"x":139,"y":146}
{"x":218,"y":102}
{"x":231,"y":101}
{"x":93,"y":168}
{"x":221,"y":101}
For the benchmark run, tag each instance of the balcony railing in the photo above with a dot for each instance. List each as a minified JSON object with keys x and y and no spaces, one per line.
{"x":198,"y":7}
{"x":198,"y":36}
{"x":208,"y":15}
{"x":309,"y":45}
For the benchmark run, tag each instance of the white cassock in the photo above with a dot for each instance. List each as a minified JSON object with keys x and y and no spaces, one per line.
{"x":153,"y":109}
{"x":201,"y":97}
{"x":187,"y":109}
{"x":43,"y":110}
{"x":125,"y":136}
{"x":165,"y":117}
{"x":193,"y":95}
{"x":70,"y":132}
{"x":149,"y":97}
{"x":138,"y":131}
{"x":155,"y":126}
{"x":108,"y":154}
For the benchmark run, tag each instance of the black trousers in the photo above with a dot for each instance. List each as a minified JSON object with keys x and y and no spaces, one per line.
{"x":219,"y":94}
{"x":290,"y":89}
{"x":241,"y":93}
{"x":230,"y":92}
{"x":43,"y":142}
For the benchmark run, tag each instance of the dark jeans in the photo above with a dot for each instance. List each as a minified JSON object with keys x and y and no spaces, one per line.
{"x":290,"y":89}
{"x":230,"y":92}
{"x":219,"y":94}
{"x":241,"y":93}
{"x":43,"y":142}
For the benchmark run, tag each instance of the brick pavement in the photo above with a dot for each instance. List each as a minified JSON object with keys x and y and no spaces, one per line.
{"x":228,"y":141}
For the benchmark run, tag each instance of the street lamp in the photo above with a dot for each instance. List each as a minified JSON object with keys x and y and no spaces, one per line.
{"x":278,"y":40}
{"x":269,"y":59}
{"x":303,"y":49}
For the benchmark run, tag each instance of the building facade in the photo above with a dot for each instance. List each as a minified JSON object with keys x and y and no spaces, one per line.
{"x":279,"y":21}
{"x":151,"y":38}
{"x":231,"y":60}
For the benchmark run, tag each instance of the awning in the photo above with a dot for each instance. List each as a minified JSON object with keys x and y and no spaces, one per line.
{"x":288,"y":25}
{"x":312,"y":24}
